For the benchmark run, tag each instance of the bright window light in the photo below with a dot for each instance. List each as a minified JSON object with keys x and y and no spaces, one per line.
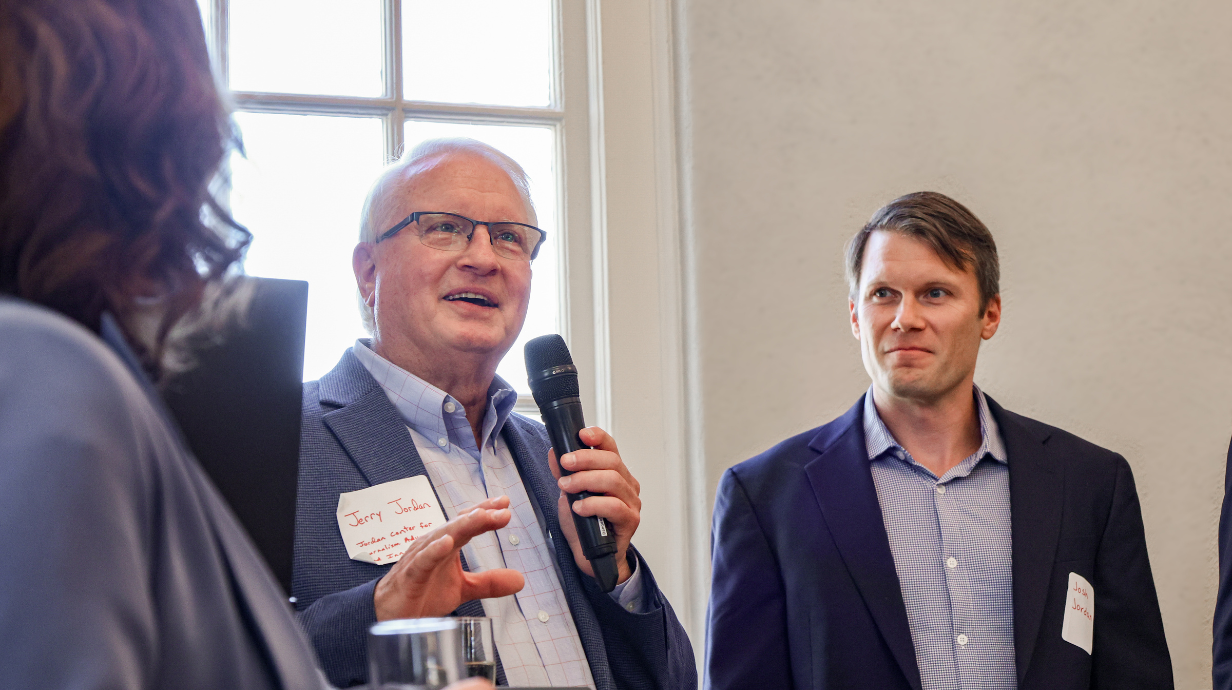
{"x":496,"y":52}
{"x":306,"y":46}
{"x":300,"y":191}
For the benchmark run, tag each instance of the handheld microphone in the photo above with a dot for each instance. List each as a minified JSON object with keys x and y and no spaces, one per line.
{"x":554,"y":383}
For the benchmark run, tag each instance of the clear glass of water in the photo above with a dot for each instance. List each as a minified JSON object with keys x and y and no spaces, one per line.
{"x":414,"y":654}
{"x":478,"y":648}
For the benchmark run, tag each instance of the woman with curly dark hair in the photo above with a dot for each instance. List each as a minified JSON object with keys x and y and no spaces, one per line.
{"x":120,"y":565}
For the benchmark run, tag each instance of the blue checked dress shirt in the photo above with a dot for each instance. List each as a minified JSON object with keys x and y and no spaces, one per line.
{"x":950,"y":538}
{"x":533,"y":629}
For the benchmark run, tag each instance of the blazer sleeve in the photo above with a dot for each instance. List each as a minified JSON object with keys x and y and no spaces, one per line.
{"x":337,"y":624}
{"x":76,"y":517}
{"x":746,"y":623}
{"x":1129,"y":649}
{"x":647,"y":650}
{"x":1221,"y":668}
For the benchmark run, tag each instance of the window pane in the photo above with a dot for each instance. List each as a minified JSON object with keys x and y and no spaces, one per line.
{"x":300,"y":192}
{"x":534,"y":148}
{"x":497,"y":52}
{"x":306,"y":46}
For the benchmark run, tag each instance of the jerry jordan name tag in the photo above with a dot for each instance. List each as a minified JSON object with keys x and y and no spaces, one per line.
{"x":378,"y":524}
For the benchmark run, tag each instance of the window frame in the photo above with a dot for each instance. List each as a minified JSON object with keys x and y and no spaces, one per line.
{"x":393,"y":109}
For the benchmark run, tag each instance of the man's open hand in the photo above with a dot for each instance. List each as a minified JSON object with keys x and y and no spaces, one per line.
{"x":599,"y":470}
{"x":428,"y":581}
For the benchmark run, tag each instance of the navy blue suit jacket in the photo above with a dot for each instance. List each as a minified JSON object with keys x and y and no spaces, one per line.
{"x":1221,"y":669}
{"x":805,"y":593}
{"x":353,"y":438}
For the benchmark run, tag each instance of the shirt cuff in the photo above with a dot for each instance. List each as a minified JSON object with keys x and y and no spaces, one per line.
{"x":629,"y":593}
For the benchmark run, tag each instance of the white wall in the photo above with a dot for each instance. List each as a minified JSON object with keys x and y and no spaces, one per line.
{"x":1095,"y":140}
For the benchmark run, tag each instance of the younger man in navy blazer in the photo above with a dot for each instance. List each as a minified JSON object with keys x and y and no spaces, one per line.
{"x":929,"y":538}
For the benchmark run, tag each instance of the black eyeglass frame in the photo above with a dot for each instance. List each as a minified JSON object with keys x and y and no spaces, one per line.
{"x":414,"y":218}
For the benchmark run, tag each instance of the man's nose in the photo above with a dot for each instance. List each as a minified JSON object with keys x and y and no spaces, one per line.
{"x":908,"y":317}
{"x":479,"y":254}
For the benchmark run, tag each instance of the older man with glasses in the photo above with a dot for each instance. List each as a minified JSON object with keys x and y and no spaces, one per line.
{"x":416,"y":418}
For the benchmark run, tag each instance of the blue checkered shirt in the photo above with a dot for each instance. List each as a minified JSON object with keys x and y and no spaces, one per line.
{"x":539,"y":650}
{"x":950,"y":538}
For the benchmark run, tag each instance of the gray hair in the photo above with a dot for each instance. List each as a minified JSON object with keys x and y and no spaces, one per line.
{"x":420,"y":159}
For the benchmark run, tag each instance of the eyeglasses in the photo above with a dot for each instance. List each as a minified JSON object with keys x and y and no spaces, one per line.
{"x":451,"y":232}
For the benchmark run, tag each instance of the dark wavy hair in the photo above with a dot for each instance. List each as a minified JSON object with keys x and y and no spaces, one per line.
{"x":111,"y":133}
{"x":961,"y":240}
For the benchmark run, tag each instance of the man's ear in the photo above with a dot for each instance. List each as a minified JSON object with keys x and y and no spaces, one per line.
{"x":855,"y":318}
{"x":991,"y":318}
{"x":364,"y":264}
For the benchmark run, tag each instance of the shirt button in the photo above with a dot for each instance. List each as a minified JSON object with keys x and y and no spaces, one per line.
{"x":941,"y":488}
{"x":629,"y":606}
{"x":543,"y":616}
{"x":951,"y":562}
{"x":513,"y":539}
{"x":450,"y":407}
{"x":962,"y":640}
{"x":442,"y":442}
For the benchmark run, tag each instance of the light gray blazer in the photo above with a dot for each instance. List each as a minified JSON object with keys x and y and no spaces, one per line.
{"x":120,"y":564}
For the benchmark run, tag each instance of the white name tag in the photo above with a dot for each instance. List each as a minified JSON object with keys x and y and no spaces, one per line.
{"x":379,"y":523}
{"x":1079,"y":625}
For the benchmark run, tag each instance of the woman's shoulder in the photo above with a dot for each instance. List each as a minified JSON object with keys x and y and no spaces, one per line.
{"x":32,"y":330}
{"x":51,"y":365}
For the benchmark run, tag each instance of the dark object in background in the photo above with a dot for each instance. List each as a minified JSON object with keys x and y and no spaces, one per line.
{"x":1222,"y":646}
{"x":239,"y":408}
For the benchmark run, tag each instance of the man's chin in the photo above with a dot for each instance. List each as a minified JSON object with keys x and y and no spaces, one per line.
{"x":912,"y":385}
{"x":482,"y":342}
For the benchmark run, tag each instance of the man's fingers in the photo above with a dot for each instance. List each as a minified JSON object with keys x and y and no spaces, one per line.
{"x":599,"y":439}
{"x":601,"y":482}
{"x":470,"y":684}
{"x":588,"y":459}
{"x":420,"y":566}
{"x":495,"y":503}
{"x":461,"y":529}
{"x":582,"y":460}
{"x":490,"y":584}
{"x":553,"y":464}
{"x":472,"y":524}
{"x":612,"y":509}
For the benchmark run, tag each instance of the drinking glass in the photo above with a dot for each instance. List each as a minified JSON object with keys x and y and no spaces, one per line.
{"x":478,"y":650}
{"x":414,"y":654}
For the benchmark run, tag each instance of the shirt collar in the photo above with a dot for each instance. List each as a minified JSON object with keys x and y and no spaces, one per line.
{"x":431,"y":411}
{"x":878,"y":439}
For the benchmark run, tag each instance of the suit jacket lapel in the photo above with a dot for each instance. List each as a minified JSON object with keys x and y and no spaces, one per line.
{"x":367,"y":424}
{"x":842,"y":483}
{"x":373,"y":434}
{"x":1037,"y":484}
{"x":530,"y":454}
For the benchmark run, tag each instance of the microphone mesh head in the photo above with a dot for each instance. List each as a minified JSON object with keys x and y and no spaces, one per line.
{"x":542,"y":354}
{"x":545,"y":352}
